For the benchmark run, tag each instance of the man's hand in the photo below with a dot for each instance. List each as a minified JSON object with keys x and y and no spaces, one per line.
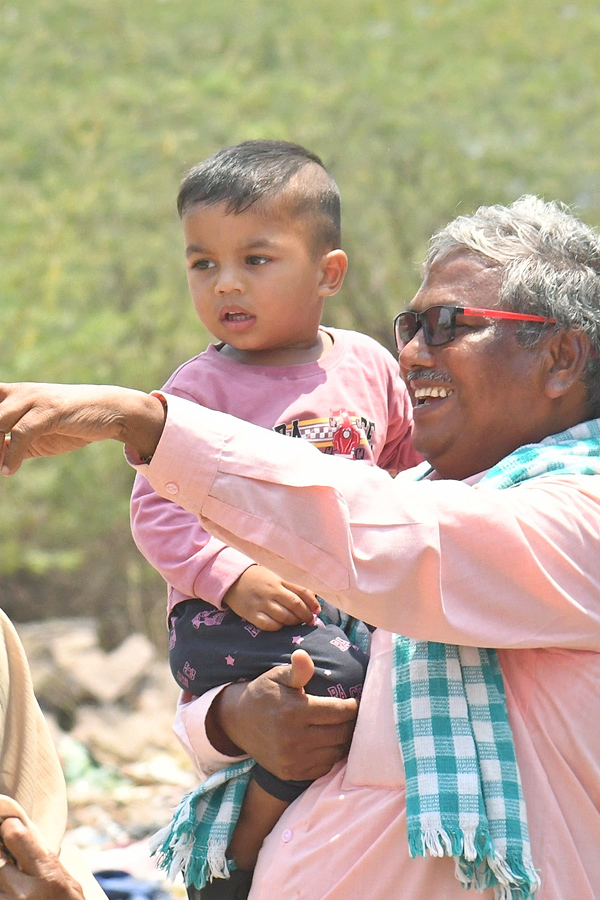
{"x":292,"y":734}
{"x":38,"y":874}
{"x":46,"y":419}
{"x":264,"y":599}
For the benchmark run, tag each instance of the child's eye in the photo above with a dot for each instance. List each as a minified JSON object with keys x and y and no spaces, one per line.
{"x":257,"y":260}
{"x":203,"y":264}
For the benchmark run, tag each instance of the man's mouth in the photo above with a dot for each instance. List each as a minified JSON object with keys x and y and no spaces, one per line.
{"x":426,"y":394}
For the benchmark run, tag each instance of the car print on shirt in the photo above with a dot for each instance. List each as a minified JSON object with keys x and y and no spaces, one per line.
{"x":342,"y":433}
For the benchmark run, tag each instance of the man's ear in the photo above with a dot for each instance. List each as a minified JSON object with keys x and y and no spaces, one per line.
{"x":333,"y":271}
{"x":568,"y":352}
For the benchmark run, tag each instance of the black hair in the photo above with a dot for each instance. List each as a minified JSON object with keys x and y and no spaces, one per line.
{"x":289,"y":178}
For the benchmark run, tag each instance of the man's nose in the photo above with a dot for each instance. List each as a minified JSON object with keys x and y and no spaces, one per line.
{"x":416,"y":353}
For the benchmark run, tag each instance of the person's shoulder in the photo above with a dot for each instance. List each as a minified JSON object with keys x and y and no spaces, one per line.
{"x":370,"y":355}
{"x":186,"y":376}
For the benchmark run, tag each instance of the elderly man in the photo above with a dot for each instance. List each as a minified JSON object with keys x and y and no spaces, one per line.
{"x":492,"y":545}
{"x":33,"y":799}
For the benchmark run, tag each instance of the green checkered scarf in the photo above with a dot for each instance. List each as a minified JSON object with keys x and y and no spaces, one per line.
{"x":463,"y":791}
{"x":196,"y":840}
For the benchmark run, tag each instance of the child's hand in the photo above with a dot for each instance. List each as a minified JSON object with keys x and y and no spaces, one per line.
{"x":264,"y":599}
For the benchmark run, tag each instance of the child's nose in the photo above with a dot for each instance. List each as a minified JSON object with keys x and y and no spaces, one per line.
{"x":228,"y":280}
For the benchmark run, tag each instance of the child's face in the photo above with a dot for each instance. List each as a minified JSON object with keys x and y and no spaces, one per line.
{"x":253,"y":281}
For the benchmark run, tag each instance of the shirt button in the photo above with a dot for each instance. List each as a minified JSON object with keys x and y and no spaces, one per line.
{"x":287,"y":835}
{"x":171,"y":487}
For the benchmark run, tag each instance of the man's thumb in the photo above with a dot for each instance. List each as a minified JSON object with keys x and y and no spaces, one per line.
{"x":299,"y":673}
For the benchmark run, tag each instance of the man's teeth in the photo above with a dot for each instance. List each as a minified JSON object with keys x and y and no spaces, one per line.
{"x":424,"y":392}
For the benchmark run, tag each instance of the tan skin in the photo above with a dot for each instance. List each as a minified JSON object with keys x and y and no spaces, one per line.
{"x":503,"y":395}
{"x":33,"y":872}
{"x":257,"y":284}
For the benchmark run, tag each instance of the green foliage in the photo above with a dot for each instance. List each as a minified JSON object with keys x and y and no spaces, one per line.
{"x":420,"y":110}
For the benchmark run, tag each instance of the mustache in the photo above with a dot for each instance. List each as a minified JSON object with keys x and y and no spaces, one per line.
{"x":426,"y":375}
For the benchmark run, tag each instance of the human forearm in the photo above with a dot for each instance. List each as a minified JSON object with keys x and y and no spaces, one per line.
{"x":393,"y":552}
{"x":44,"y":420}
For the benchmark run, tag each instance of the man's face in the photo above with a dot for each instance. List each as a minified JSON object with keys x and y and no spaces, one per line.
{"x":493,"y":398}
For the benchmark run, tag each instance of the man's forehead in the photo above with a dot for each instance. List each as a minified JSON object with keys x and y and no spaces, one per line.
{"x":461,"y":273}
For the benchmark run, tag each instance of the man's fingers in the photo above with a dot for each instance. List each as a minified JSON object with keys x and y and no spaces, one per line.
{"x":300,"y":671}
{"x":23,"y":429}
{"x":23,"y":845}
{"x":16,"y":449}
{"x":14,"y":437}
{"x":39,"y":874}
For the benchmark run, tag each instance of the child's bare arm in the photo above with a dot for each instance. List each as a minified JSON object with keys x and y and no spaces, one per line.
{"x":268,"y":602}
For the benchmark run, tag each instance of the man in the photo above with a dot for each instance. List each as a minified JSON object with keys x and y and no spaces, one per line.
{"x":33,"y":801}
{"x":494,"y":546}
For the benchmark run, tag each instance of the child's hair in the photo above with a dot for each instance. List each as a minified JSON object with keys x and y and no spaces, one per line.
{"x":291,"y":180}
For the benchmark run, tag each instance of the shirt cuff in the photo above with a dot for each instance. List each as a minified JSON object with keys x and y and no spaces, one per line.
{"x":186,"y":460}
{"x":190,"y":728}
{"x":133,"y":458}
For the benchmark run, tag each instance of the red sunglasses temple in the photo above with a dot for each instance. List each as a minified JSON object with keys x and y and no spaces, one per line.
{"x":504,"y":314}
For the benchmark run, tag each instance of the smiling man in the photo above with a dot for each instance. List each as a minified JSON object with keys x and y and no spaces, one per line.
{"x":467,"y":766}
{"x":474,"y":401}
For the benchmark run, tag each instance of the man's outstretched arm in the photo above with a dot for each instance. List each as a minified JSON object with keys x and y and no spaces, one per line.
{"x":44,"y":420}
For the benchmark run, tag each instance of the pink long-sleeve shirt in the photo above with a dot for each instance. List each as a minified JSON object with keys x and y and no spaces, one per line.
{"x":356,"y":384}
{"x":439,"y":560}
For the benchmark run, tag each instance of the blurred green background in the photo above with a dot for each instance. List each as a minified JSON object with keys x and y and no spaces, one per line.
{"x":421,"y":110}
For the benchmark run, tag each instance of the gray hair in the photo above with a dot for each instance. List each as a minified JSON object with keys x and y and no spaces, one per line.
{"x":550,"y":265}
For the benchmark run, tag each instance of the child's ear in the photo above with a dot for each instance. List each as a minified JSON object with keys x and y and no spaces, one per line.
{"x":333,"y":271}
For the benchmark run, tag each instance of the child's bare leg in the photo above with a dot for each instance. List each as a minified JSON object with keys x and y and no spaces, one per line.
{"x":259,"y":814}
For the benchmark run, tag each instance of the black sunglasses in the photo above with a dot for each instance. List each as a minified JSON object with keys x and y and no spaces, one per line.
{"x":439,"y":323}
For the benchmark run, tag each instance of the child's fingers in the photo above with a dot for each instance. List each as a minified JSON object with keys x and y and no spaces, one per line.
{"x":266,"y":622}
{"x":290,"y":609}
{"x":275,"y":612}
{"x":309,"y":598}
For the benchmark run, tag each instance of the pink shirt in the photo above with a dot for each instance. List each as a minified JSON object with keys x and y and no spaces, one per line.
{"x":351,"y":402}
{"x":439,"y":560}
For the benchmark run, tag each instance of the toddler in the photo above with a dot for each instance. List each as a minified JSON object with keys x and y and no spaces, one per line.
{"x":261,"y":223}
